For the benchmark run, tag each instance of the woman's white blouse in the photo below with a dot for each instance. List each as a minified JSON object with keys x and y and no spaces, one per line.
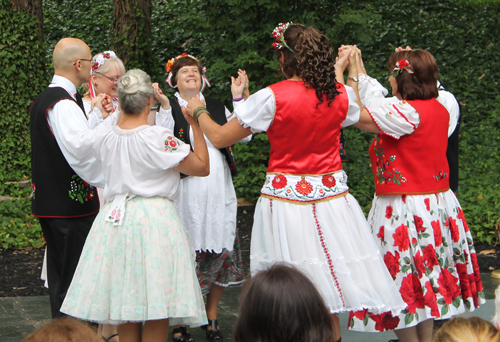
{"x":258,"y":111}
{"x":395,"y":117}
{"x":164,"y":118}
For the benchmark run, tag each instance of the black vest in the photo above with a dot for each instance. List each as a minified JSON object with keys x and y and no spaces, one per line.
{"x":57,"y":190}
{"x":452,"y":153}
{"x":218,"y":113}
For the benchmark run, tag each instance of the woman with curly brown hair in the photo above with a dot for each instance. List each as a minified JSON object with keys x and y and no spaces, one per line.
{"x":306,"y":215}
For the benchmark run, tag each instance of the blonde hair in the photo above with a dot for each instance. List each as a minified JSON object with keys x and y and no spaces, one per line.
{"x":474,"y":329}
{"x":104,"y":68}
{"x":63,"y":330}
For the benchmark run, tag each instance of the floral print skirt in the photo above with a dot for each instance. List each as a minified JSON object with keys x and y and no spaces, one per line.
{"x":428,"y":249}
{"x":222,"y":269}
{"x":142,"y":270}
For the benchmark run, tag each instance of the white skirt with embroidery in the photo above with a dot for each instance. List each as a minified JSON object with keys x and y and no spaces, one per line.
{"x":208,"y":206}
{"x":330,"y":241}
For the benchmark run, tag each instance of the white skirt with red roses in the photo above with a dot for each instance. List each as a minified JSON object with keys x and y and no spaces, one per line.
{"x":329,"y":240}
{"x":428,"y":249}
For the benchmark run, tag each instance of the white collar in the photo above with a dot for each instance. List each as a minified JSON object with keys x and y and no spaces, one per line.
{"x":64,"y":83}
{"x":182,"y":102}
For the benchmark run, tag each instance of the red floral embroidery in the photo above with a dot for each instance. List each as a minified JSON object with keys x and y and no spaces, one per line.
{"x":448,"y":286}
{"x":427,"y":204}
{"x":430,"y":299}
{"x":430,"y":257}
{"x":388,"y":212}
{"x":419,"y":224}
{"x":411,"y":292}
{"x":455,"y":235}
{"x":438,"y":238}
{"x":461,"y":216}
{"x":401,"y":239}
{"x":385,"y":321}
{"x":329,"y":181}
{"x":392,"y":263}
{"x":418,"y":260}
{"x":381,"y":233}
{"x":303,"y":187}
{"x":279,"y":181}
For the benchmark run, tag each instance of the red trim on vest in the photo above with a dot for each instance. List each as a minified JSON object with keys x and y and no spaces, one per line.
{"x":415,"y":164}
{"x":95,"y":212}
{"x":305,"y":136}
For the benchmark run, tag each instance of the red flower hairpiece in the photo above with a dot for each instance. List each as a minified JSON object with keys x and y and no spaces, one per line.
{"x":279,"y":35}
{"x":400,"y":66}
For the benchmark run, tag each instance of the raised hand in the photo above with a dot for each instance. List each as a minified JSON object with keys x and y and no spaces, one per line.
{"x":160,"y":97}
{"x":239,"y":84}
{"x":399,"y":49}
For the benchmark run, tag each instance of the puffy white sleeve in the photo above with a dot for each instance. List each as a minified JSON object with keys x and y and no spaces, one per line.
{"x":256,"y":112}
{"x":395,"y":119}
{"x":168,"y":151}
{"x":353,"y":112}
{"x":451,"y":104}
{"x":164,"y":118}
{"x":372,"y":93}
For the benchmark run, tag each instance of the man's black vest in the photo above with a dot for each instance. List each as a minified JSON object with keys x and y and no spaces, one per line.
{"x":218,"y":113}
{"x":57,"y":190}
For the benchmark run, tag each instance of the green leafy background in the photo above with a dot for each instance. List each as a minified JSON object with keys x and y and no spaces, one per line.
{"x":231,"y":34}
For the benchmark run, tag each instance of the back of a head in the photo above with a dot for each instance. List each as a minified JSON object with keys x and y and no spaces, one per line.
{"x":282,"y":305}
{"x":474,"y":329}
{"x":63,"y":330}
{"x":422,"y":84}
{"x":67,"y":51}
{"x":134,"y":91}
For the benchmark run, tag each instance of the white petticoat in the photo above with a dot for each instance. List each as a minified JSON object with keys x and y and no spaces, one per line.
{"x":208,"y":206}
{"x":309,"y":235}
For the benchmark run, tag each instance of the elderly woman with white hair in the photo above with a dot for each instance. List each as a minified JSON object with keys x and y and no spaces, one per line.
{"x":137,"y":266}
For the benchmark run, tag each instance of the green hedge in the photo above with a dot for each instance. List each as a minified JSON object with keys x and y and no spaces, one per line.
{"x":231,"y":34}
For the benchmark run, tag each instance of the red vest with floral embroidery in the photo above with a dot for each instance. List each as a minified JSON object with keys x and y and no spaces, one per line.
{"x":415,"y":164}
{"x":304,"y":136}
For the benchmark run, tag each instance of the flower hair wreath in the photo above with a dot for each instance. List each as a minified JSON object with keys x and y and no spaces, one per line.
{"x":99,"y":61}
{"x":400,"y":66}
{"x":171,"y":62}
{"x":279,"y":35}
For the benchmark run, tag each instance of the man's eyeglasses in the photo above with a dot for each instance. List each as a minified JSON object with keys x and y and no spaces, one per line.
{"x":92,"y":61}
{"x":112,"y":79}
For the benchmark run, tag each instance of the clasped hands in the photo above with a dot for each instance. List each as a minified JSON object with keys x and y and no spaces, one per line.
{"x":104,"y":103}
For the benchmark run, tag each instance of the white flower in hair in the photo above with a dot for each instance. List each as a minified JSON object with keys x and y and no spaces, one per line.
{"x":101,"y":59}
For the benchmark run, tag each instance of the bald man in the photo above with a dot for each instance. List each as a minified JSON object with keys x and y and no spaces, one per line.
{"x":63,"y":166}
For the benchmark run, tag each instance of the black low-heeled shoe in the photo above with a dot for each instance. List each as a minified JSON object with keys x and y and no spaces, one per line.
{"x":184,"y":336}
{"x":213,"y":334}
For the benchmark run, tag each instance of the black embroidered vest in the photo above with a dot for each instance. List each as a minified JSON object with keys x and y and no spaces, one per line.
{"x":57,"y":190}
{"x":218,"y":113}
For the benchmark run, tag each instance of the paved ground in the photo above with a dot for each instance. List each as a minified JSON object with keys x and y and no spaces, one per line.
{"x":21,"y":315}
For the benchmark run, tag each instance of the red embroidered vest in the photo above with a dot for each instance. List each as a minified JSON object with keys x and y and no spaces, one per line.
{"x":415,"y":164}
{"x":305,"y":137}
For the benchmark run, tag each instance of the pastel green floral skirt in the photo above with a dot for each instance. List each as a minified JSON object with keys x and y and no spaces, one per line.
{"x":142,"y":270}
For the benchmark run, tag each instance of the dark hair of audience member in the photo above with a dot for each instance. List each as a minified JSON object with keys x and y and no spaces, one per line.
{"x":63,"y":330}
{"x":422,"y":84}
{"x":473,"y":329}
{"x":282,"y":305}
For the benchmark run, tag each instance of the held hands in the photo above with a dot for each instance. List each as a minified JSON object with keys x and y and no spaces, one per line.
{"x":103,"y":103}
{"x":239,"y":85}
{"x":399,"y":49}
{"x":158,"y":94}
{"x":188,"y":111}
